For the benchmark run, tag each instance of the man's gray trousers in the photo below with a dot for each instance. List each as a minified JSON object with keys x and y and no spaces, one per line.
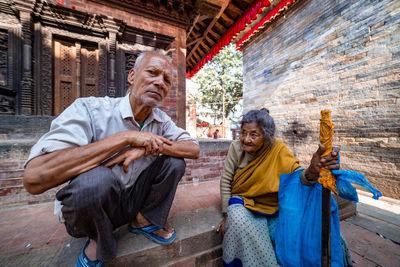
{"x":97,"y":202}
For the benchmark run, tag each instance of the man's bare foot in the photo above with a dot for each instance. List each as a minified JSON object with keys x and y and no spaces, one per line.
{"x":141,"y":221}
{"x":90,"y":251}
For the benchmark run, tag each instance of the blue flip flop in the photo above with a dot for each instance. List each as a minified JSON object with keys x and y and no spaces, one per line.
{"x":83,"y":261}
{"x":148,"y":231}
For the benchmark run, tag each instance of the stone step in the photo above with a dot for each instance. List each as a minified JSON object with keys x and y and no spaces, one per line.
{"x":196,"y":237}
{"x":210,"y":258}
{"x":8,"y":174}
{"x":11,"y":165}
{"x":12,"y":196}
{"x":15,"y":150}
{"x":11,"y":190}
{"x":23,"y":127}
{"x":10,"y":182}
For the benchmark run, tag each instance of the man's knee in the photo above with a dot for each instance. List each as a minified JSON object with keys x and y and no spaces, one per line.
{"x":177,"y":164}
{"x":91,"y":187}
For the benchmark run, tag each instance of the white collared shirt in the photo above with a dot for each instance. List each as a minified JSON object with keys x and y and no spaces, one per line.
{"x":91,"y":119}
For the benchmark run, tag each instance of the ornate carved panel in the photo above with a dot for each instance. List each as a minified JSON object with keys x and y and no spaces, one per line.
{"x":6,"y":104}
{"x":57,"y":22}
{"x":130,"y":60}
{"x":67,"y":19}
{"x":46,"y":71}
{"x":65,"y":75}
{"x":76,"y":72}
{"x":102,"y":67}
{"x":173,"y":12}
{"x":7,"y":77}
{"x":3,"y":58}
{"x":89,"y":72}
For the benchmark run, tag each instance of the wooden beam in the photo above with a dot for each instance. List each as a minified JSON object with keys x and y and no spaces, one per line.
{"x":197,"y":56}
{"x":219,"y":26}
{"x":229,"y":20}
{"x":215,"y":35}
{"x":193,"y":41}
{"x":235,"y":9}
{"x":215,"y":19}
{"x":205,"y":47}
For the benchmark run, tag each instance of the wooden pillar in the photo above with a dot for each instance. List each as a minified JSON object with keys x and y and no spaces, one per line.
{"x":112,"y":44}
{"x":26,"y":95}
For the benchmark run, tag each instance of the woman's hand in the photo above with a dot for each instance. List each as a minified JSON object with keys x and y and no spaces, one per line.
{"x":329,"y":162}
{"x":221,"y":225}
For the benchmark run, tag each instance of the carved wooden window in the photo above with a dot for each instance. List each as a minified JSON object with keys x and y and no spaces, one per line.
{"x":6,"y":93}
{"x":130,"y":60}
{"x":75,"y":73}
{"x":90,"y":70}
{"x":3,"y":57}
{"x":65,"y":76}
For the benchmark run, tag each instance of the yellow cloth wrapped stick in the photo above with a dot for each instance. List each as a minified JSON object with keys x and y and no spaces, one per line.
{"x":327,"y":179}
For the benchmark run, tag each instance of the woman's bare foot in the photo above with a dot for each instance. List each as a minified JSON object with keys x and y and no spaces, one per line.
{"x":141,"y":221}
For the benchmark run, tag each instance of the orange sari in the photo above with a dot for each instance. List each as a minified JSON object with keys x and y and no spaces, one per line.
{"x":258,"y":183}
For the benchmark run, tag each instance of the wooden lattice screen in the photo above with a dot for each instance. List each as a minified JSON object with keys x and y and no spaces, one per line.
{"x":75,"y":73}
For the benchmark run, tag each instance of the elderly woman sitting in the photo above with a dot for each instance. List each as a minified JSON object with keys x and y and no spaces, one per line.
{"x":249,"y":190}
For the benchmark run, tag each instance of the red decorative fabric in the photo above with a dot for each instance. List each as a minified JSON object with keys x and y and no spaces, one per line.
{"x":240,"y":25}
{"x":262,"y":23}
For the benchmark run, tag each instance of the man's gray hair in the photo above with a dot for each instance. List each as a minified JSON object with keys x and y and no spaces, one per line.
{"x":157,"y":52}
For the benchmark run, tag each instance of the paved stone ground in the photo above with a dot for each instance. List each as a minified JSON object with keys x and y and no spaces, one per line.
{"x":373,"y":234}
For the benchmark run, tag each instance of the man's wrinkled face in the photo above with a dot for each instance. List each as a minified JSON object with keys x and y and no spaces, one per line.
{"x":152,"y":81}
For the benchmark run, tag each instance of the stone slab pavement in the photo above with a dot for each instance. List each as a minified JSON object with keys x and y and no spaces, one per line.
{"x":32,"y":236}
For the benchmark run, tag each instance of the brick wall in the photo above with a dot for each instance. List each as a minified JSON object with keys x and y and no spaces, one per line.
{"x":210,"y":164}
{"x":340,"y":55}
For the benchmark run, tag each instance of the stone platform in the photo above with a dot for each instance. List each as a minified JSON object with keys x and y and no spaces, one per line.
{"x":32,"y":236}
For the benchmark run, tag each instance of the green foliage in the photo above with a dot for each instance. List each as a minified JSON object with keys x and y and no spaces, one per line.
{"x":223,"y":73}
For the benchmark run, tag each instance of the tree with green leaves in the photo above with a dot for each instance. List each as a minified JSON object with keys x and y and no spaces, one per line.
{"x":221,"y":83}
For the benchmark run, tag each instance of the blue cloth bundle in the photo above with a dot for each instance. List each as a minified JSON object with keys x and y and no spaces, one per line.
{"x":344,"y":179}
{"x":298,"y":235}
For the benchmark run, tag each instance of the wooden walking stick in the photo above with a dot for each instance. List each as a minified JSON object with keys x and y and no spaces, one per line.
{"x":328,"y":181}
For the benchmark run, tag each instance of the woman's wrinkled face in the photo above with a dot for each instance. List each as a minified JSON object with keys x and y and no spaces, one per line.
{"x":251,"y":137}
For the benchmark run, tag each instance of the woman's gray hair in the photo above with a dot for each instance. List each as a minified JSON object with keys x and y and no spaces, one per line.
{"x":263,"y":120}
{"x":157,"y":52}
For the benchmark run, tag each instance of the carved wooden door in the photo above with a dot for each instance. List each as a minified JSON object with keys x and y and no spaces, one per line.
{"x":65,"y":91}
{"x":75,"y":73}
{"x":90,"y":70}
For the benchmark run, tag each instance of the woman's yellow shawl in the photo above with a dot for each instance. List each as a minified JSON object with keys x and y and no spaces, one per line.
{"x":258,"y":183}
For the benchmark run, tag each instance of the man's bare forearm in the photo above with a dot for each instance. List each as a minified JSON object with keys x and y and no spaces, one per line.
{"x":182,"y":149}
{"x":52,"y":169}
